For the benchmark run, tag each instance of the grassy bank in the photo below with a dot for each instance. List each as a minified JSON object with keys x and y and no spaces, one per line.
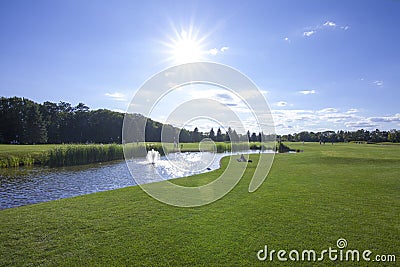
{"x":308,"y":201}
{"x":58,"y":155}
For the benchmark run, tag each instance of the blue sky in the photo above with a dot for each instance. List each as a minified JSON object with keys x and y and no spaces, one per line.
{"x":322,"y":65}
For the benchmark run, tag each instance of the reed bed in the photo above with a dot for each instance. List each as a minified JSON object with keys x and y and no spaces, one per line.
{"x":68,"y":155}
{"x":16,"y":161}
{"x":63,"y":155}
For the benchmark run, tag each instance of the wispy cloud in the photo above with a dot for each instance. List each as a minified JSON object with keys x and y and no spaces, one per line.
{"x":224,"y":96}
{"x":378,"y":83}
{"x":292,"y":120}
{"x":307,"y":92}
{"x":321,"y":27}
{"x":214,"y":51}
{"x":394,"y":118}
{"x":116,"y":96}
{"x":328,"y":111}
{"x":352,"y":111}
{"x":329,"y":24}
{"x":118,"y":110}
{"x":361,"y":124}
{"x":309,"y":33}
{"x":373,"y":122}
{"x":281,"y":104}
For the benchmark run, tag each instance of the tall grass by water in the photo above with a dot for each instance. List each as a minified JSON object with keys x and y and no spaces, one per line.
{"x":67,"y":155}
{"x":15,"y":161}
{"x":58,"y":155}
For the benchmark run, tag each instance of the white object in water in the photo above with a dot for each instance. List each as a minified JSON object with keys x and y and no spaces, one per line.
{"x":153,"y":156}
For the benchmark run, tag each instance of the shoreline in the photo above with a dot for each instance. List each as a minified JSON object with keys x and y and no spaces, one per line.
{"x":83,"y":174}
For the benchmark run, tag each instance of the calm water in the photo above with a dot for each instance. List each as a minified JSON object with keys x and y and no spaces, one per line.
{"x":25,"y":186}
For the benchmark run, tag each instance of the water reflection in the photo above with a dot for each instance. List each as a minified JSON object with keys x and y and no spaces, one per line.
{"x":25,"y":186}
{"x":32,"y":185}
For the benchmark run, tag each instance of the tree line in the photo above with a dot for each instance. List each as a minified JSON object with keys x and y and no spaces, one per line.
{"x":361,"y":135}
{"x":24,"y":121}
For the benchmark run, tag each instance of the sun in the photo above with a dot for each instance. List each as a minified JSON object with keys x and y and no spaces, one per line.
{"x":186,"y":48}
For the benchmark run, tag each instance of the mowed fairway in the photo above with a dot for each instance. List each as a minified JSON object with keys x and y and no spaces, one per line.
{"x":308,"y":201}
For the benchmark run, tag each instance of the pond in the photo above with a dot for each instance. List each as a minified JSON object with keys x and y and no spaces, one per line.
{"x":23,"y":186}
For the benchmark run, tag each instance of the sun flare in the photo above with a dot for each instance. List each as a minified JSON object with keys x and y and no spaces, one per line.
{"x":185,"y":48}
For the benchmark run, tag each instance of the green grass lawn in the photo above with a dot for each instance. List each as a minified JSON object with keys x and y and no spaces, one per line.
{"x":308,"y":201}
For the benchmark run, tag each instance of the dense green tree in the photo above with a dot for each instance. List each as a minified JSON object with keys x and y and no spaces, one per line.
{"x":219,"y":137}
{"x":10,"y":119}
{"x":212,"y":134}
{"x":21,"y":121}
{"x":253,"y":137}
{"x":234,"y":137}
{"x":196,"y":136}
{"x":394,"y":136}
{"x":184,"y":136}
{"x":33,"y":126}
{"x":228,"y":135}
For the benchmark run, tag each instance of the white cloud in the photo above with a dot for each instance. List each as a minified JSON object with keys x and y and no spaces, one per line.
{"x":328,"y":110}
{"x":309,"y":33}
{"x":352,"y":111}
{"x":307,"y":92}
{"x":281,"y":104}
{"x":213,"y":51}
{"x":330,"y":24}
{"x":118,"y":110}
{"x":379,"y":83}
{"x":287,"y":39}
{"x":224,"y":48}
{"x":290,"y":120}
{"x":326,"y":25}
{"x":116,"y":96}
{"x":394,"y":118}
{"x":361,"y":124}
